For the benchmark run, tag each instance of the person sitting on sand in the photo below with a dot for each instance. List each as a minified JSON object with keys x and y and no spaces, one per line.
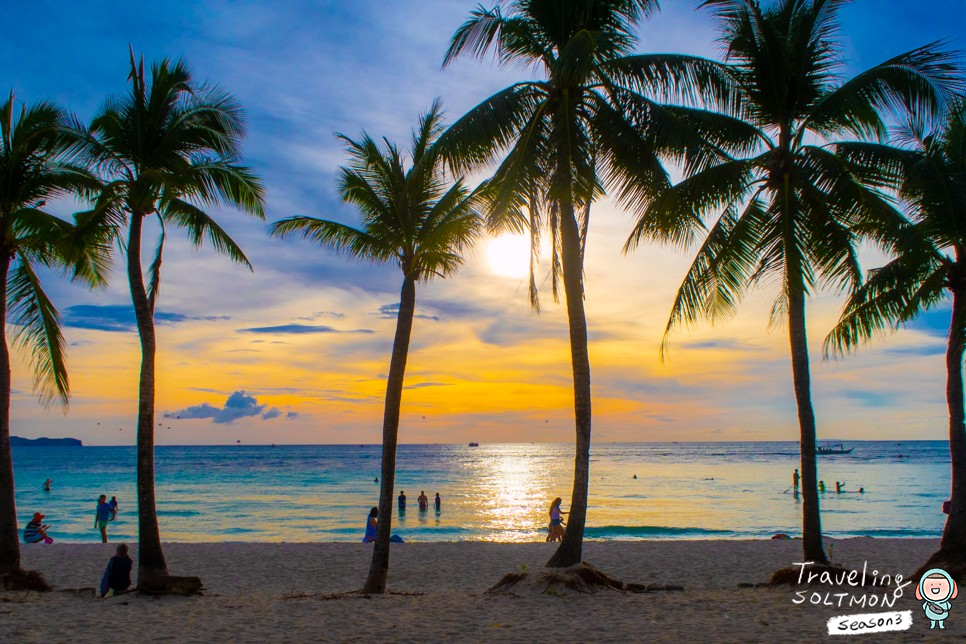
{"x":371,"y":526}
{"x":422,"y":500}
{"x":117,"y":575}
{"x":555,"y":531}
{"x":36,"y":530}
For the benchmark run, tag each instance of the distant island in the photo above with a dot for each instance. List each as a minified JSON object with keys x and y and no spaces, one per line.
{"x":16,"y":441}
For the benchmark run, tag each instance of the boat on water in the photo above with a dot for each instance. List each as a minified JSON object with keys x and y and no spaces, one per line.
{"x":474,"y":444}
{"x":833,"y":449}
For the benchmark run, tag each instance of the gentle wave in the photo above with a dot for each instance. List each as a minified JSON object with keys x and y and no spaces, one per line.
{"x":650,"y":532}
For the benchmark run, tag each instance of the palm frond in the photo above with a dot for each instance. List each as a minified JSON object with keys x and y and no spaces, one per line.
{"x":154,"y":282}
{"x":200,"y":225}
{"x":340,"y":237}
{"x":38,"y":334}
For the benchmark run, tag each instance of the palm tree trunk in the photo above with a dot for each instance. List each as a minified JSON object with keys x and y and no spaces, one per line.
{"x":9,"y":535}
{"x":953,"y":545}
{"x":811,"y":518}
{"x":151,"y":563}
{"x":379,"y":566}
{"x":570,"y":551}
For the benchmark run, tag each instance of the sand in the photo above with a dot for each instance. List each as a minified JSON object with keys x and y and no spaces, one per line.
{"x":274,"y":592}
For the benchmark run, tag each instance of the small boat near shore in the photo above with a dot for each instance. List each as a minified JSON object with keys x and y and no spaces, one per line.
{"x":474,"y":444}
{"x":827,"y":450}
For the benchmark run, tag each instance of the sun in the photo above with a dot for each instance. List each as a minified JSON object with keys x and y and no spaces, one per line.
{"x":509,"y":255}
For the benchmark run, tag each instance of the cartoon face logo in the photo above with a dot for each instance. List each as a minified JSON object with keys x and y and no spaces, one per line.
{"x":936,"y":589}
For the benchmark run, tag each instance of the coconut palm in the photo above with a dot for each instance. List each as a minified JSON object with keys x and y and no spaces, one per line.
{"x":591,"y":122}
{"x":37,"y":165}
{"x":793,"y":210}
{"x":929,"y":267}
{"x":168,"y":148}
{"x":410,"y":218}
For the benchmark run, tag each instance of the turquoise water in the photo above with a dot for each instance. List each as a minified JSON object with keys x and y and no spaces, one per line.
{"x":491,"y":492}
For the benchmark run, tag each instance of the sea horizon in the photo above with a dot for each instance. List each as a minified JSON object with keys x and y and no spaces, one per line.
{"x":494,"y":492}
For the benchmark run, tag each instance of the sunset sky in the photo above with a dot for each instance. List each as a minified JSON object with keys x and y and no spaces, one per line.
{"x":298,"y":350}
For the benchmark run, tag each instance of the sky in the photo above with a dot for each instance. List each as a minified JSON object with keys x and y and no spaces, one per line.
{"x":297,"y":350}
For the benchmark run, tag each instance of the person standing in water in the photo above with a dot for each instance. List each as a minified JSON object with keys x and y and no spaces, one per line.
{"x":438,"y":502}
{"x":113,"y":504}
{"x":47,"y":485}
{"x":402,"y":500}
{"x":103,"y":516}
{"x":423,"y":500}
{"x":795,"y":479}
{"x":371,"y":526}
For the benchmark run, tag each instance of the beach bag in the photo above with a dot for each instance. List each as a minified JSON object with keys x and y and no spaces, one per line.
{"x":396,"y":539}
{"x":48,"y":539}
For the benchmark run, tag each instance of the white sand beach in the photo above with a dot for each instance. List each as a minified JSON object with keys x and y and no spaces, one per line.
{"x":274,"y":592}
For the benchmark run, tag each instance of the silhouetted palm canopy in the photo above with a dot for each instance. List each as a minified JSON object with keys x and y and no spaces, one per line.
{"x":37,"y":165}
{"x":413,"y":218}
{"x":929,"y":266}
{"x":791,"y":211}
{"x":170,"y":147}
{"x":592,"y":123}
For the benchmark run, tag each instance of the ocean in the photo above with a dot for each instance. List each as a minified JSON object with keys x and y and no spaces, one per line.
{"x":494,"y":492}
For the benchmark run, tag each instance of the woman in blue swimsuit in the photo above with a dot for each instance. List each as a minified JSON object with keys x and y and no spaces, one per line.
{"x":371,"y":526}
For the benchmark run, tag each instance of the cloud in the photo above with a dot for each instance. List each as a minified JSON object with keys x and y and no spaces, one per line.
{"x":120,"y":318}
{"x":391,"y":311}
{"x":237,"y":406}
{"x":300,"y":329}
{"x":322,"y":314}
{"x":292,"y":415}
{"x":420,"y":385}
{"x":934,"y":322}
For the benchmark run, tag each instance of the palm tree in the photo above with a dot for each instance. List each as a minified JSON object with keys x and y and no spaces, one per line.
{"x":409,"y":218}
{"x":162,"y":148}
{"x":929,"y":266}
{"x":591,"y":123}
{"x":792,"y":210}
{"x":37,"y":150}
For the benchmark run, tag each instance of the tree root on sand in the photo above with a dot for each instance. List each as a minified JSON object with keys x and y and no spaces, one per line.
{"x":25,"y":580}
{"x":580,"y":578}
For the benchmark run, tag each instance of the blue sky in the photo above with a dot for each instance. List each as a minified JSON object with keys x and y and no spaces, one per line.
{"x":308,"y":333}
